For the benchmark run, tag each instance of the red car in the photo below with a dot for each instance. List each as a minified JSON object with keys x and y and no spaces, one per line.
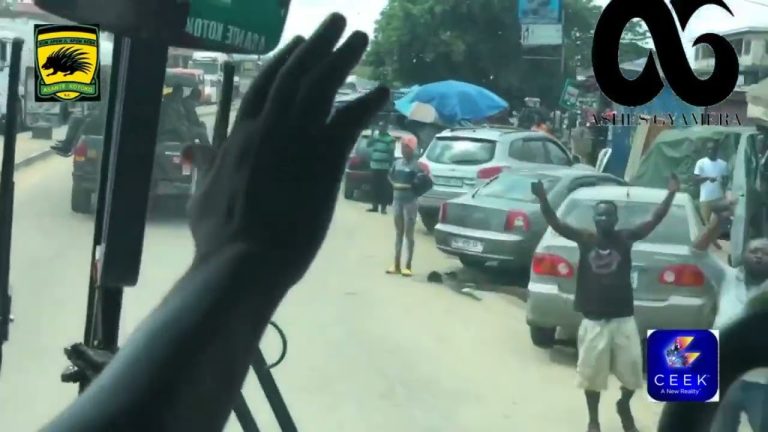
{"x":357,"y":177}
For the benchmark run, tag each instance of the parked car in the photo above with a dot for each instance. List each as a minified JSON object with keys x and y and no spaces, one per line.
{"x":671,"y":291}
{"x":459,"y":158}
{"x":357,"y":176}
{"x":501,"y":220}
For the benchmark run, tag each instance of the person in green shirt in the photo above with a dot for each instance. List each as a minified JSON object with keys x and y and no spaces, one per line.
{"x":382,"y":146}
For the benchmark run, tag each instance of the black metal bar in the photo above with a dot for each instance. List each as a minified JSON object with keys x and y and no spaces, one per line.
{"x":137,"y":112}
{"x":106,"y":152}
{"x":272,"y":392}
{"x":221,"y":126}
{"x":126,"y":172}
{"x":7,"y":188}
{"x":243,"y":415}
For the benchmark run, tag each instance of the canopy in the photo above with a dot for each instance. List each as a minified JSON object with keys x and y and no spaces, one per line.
{"x":453,"y":101}
{"x":678,"y":150}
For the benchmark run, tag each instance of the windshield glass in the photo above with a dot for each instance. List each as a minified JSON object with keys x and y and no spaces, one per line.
{"x":371,"y":351}
{"x":517,"y":187}
{"x":460,"y":152}
{"x":208,"y":68}
{"x":674,"y":229}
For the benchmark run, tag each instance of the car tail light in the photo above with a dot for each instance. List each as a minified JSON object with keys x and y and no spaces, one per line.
{"x":551,"y":265}
{"x":80,"y":152}
{"x":517,"y":220}
{"x":684,"y":275}
{"x":424,"y":167}
{"x":354,"y":162}
{"x":489,"y":172}
{"x":443,"y":212}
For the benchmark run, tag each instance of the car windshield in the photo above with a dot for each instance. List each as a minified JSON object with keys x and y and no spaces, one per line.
{"x":452,"y":348}
{"x":460,"y":151}
{"x":516,"y":187}
{"x":674,"y":229}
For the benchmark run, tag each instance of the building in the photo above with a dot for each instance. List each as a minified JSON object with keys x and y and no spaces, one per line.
{"x":751,"y":44}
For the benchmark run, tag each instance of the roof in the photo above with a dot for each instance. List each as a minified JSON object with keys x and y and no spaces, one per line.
{"x":492,"y":133}
{"x":626,"y":193}
{"x":744,"y":30}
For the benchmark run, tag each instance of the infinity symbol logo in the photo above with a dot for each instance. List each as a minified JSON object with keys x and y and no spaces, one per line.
{"x":669,"y":48}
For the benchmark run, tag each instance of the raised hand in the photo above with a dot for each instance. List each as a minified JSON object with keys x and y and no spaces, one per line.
{"x":537,"y":189}
{"x":274,"y":183}
{"x":674,"y":183}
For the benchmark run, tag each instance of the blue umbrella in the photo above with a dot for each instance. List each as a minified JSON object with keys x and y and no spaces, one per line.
{"x":454,"y":101}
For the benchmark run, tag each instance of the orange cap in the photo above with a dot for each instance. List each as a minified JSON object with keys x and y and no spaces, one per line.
{"x":410,"y":141}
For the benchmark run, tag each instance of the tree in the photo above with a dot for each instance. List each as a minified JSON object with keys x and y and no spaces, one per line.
{"x":478,"y":41}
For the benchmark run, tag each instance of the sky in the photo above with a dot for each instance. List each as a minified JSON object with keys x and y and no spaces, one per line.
{"x":305,"y":15}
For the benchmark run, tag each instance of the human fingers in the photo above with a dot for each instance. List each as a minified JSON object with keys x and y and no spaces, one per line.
{"x":320,"y":88}
{"x":349,"y":120}
{"x":255,"y":98}
{"x":282,"y":96}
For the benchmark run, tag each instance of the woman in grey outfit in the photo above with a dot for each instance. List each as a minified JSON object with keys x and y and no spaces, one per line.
{"x":403,"y":175}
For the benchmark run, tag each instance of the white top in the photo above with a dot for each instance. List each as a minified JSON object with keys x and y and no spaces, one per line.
{"x":705,"y":167}
{"x":733,"y":297}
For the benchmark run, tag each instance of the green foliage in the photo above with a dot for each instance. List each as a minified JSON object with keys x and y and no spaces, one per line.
{"x":478,"y":41}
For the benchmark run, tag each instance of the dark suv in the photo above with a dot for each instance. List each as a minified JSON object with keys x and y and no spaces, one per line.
{"x":357,"y":177}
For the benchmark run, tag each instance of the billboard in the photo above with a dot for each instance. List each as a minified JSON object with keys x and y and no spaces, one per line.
{"x":539,"y":11}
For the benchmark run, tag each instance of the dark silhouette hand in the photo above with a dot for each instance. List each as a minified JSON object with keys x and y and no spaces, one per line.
{"x":674,"y":183}
{"x":273,"y":185}
{"x":537,"y":189}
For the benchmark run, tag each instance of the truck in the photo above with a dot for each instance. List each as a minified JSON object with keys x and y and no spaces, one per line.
{"x":172,"y":179}
{"x":33,"y":113}
{"x":212,"y":65}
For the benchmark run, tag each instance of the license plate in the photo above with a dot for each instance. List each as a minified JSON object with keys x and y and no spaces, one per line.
{"x":633,"y":279}
{"x":92,"y":154}
{"x":467,"y":245}
{"x":448,"y":181}
{"x":186,"y":169}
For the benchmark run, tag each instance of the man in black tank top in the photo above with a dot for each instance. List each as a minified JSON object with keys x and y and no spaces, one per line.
{"x":609,"y":340}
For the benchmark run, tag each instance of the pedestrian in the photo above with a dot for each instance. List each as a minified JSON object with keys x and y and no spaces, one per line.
{"x":710,"y":174}
{"x":382,"y":146}
{"x":608,"y":340}
{"x":190,"y":103}
{"x":737,"y":289}
{"x":403,"y":176}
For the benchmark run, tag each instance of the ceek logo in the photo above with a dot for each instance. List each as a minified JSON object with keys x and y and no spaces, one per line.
{"x":661,"y":23}
{"x":683,"y":365}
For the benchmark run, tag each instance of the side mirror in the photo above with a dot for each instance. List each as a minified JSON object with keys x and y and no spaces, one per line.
{"x":576,"y":159}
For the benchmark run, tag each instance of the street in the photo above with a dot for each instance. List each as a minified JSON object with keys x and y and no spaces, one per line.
{"x":367,"y":351}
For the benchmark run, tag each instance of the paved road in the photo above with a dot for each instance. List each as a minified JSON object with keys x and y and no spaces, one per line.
{"x":367,"y":351}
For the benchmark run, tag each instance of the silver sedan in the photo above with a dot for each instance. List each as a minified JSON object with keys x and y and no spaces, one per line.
{"x":501,"y":221}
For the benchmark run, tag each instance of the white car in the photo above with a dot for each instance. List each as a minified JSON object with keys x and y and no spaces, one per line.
{"x":459,"y":158}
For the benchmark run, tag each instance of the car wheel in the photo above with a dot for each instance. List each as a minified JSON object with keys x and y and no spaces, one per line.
{"x":80,"y":200}
{"x":429,"y":220}
{"x":472,"y":262}
{"x":542,"y":337}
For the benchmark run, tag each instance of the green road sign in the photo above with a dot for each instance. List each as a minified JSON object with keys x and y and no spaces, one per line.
{"x":236,"y":26}
{"x":569,"y":98}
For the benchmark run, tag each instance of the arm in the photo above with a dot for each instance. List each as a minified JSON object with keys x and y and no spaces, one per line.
{"x":698,"y":179}
{"x":186,"y":362}
{"x":708,"y":235}
{"x":642,"y":231}
{"x":568,"y":231}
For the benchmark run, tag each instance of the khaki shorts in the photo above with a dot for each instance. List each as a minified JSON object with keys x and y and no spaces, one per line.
{"x":609,"y":347}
